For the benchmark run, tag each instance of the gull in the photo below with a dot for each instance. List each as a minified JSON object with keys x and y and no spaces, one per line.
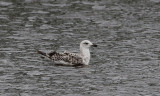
{"x":73,"y":59}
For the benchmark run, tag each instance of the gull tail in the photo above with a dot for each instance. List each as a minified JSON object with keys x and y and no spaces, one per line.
{"x":42,"y":53}
{"x":48,"y":55}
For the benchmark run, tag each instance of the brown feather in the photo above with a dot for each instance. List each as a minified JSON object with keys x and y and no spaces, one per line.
{"x":71,"y":58}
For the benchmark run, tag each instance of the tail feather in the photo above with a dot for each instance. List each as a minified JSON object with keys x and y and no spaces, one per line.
{"x":42,"y":53}
{"x":49,"y":55}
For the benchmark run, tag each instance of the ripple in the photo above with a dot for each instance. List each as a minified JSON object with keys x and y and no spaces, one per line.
{"x":2,"y":3}
{"x":125,"y":63}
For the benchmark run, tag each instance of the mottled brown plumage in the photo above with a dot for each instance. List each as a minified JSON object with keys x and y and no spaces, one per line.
{"x":67,"y":58}
{"x":70,"y":58}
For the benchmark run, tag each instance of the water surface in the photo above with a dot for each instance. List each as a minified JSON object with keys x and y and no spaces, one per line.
{"x":126,"y":62}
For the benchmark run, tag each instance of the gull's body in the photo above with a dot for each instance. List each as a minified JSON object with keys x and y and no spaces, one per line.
{"x":67,"y":58}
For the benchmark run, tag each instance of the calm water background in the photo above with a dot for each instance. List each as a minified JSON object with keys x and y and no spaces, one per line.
{"x":126,"y":62}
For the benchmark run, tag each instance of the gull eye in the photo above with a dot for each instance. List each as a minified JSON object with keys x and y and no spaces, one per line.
{"x":86,"y":43}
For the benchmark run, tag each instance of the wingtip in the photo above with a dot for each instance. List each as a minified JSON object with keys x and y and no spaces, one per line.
{"x":40,"y":52}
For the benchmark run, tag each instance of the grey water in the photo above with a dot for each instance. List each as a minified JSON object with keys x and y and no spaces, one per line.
{"x":125,"y":63}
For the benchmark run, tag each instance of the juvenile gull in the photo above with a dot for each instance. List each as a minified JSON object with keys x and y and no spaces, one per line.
{"x":74,"y":59}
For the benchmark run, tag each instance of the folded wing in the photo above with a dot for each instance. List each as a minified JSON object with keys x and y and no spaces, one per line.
{"x":70,"y":58}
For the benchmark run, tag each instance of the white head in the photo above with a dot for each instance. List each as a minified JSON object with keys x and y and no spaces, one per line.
{"x":87,"y":44}
{"x":84,"y":50}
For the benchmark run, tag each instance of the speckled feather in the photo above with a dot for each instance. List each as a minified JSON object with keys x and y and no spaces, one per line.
{"x":71,"y":58}
{"x":67,"y":58}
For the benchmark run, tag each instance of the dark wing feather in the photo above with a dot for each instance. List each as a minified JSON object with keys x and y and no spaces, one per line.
{"x":71,"y":58}
{"x":74,"y":58}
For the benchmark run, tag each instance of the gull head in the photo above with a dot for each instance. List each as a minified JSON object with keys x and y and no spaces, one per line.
{"x":84,"y":50}
{"x":87,"y":44}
